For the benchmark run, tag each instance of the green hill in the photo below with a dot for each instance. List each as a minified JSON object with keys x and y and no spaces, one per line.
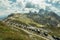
{"x":7,"y":33}
{"x":27,"y":20}
{"x":22,"y":18}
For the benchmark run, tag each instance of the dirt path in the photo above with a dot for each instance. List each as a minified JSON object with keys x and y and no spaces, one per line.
{"x":30,"y":33}
{"x":18,"y":28}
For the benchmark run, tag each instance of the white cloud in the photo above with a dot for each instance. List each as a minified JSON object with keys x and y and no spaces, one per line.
{"x":49,"y":0}
{"x":15,"y":6}
{"x":59,"y":2}
{"x":54,"y":9}
{"x":20,"y":4}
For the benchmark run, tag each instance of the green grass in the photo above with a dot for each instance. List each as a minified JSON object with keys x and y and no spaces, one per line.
{"x":6,"y":33}
{"x":55,"y":31}
{"x":24,"y":19}
{"x":27,"y":21}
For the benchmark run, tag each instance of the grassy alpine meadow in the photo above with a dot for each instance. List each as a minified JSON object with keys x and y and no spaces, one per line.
{"x":6,"y":33}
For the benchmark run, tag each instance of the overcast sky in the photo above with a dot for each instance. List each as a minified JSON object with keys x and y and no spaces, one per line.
{"x":10,"y":6}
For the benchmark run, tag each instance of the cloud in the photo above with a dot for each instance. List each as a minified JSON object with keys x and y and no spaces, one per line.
{"x":7,"y":7}
{"x":11,"y":6}
{"x":12,"y":0}
{"x":18,"y":4}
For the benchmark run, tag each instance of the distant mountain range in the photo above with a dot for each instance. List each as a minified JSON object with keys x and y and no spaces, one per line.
{"x":45,"y":17}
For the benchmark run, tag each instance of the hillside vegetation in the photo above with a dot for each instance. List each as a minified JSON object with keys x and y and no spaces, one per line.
{"x":6,"y":33}
{"x":22,"y":18}
{"x":28,"y":19}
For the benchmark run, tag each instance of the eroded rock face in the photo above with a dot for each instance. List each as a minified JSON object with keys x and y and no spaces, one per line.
{"x":48,"y":17}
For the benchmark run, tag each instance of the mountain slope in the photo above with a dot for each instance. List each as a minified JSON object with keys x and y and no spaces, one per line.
{"x":7,"y":33}
{"x":26,"y":21}
{"x":22,"y":18}
{"x":45,"y":18}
